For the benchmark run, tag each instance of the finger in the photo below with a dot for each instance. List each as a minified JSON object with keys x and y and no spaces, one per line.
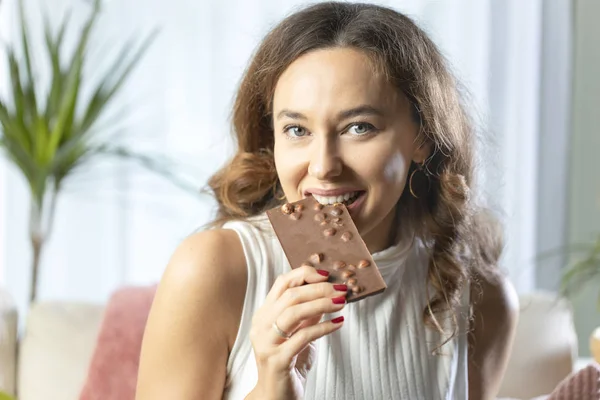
{"x":296,"y":277}
{"x":307,"y":322}
{"x":293,"y":346}
{"x":290,"y":320}
{"x":303,"y":294}
{"x":310,"y":321}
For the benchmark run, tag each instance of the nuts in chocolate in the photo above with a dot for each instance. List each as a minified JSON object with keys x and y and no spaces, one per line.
{"x":295,"y":216}
{"x":318,"y":206}
{"x":316,"y":258}
{"x":337,"y":265}
{"x":287,"y":208}
{"x":351,"y":282}
{"x":363,"y":264}
{"x":346,"y":236}
{"x":319,"y":217}
{"x":347,"y":274}
{"x":357,"y":289}
{"x":298,"y":207}
{"x":336,"y":211}
{"x":329,"y":232}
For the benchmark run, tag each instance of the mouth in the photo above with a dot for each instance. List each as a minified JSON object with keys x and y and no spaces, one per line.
{"x":347,"y":198}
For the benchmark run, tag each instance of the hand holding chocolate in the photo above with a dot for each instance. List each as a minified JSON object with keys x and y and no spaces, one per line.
{"x":325,"y":237}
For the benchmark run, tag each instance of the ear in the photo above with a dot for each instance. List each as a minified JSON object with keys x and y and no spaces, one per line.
{"x":422,"y":152}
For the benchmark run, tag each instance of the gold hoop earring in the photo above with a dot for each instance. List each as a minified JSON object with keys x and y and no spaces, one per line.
{"x":280,"y":197}
{"x":423,"y":169}
{"x":410,"y":184}
{"x":276,"y":189}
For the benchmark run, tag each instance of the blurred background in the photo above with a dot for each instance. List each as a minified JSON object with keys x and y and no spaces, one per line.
{"x":530,"y":73}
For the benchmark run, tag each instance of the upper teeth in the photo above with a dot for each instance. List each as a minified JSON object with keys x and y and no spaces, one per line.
{"x":334,"y":199}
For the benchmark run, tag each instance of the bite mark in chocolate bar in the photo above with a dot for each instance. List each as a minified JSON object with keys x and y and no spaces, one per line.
{"x":325,"y":237}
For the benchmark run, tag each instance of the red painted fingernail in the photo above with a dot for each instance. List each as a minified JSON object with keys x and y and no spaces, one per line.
{"x":338,"y":320}
{"x":323,"y":272}
{"x":339,"y":300}
{"x":341,"y":288}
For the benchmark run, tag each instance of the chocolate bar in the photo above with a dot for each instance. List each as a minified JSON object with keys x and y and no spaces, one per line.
{"x":325,"y":237}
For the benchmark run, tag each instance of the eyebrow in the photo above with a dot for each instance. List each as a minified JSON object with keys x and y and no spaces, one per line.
{"x":362,"y":110}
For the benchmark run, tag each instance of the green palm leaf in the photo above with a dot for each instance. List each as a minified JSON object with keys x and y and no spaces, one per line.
{"x":50,"y":141}
{"x":18,"y":120}
{"x":53,"y":46}
{"x":582,"y":272}
{"x":109,"y":86}
{"x":27,"y":55}
{"x":61,"y":130}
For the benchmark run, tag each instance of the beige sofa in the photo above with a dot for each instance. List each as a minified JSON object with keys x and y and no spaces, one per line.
{"x":57,"y":345}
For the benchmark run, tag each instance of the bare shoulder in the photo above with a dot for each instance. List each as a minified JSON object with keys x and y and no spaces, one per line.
{"x":208,"y":271}
{"x":495,"y":296}
{"x":495,"y":307}
{"x":207,"y":259}
{"x":194,"y":319}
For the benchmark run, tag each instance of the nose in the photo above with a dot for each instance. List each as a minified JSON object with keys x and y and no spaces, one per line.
{"x":325,"y":161}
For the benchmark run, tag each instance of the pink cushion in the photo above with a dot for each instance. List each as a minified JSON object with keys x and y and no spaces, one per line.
{"x":581,"y":385}
{"x":113,"y":370}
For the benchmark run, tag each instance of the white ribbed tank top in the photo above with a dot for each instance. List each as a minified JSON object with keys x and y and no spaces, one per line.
{"x":383,"y":351}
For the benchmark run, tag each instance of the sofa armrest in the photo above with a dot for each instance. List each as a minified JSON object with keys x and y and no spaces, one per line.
{"x":545,"y":347}
{"x":56,"y":348}
{"x":8,"y":343}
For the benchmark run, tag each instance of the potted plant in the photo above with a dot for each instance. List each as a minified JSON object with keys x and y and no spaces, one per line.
{"x":583,"y":271}
{"x":50,"y":136}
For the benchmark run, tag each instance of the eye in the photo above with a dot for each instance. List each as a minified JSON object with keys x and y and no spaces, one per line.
{"x":295,"y":131}
{"x":360,"y":128}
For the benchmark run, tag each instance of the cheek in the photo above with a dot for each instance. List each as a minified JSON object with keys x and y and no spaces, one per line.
{"x":281,"y":162}
{"x":281,"y":166}
{"x":278,"y":160}
{"x":394,"y":169}
{"x":289,"y":169}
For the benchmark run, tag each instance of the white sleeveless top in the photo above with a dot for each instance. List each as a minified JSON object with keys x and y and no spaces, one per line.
{"x":383,"y":351}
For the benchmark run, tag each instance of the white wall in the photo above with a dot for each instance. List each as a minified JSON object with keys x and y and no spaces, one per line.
{"x":554,"y":139}
{"x":115,"y":226}
{"x":584,"y":188}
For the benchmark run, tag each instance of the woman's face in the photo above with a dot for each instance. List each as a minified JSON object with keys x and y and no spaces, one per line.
{"x":344,"y":134}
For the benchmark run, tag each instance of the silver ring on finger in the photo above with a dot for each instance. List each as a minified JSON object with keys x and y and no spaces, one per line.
{"x":280,"y":332}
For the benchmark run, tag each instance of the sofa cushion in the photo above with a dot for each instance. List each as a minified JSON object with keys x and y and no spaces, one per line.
{"x":114,"y":367}
{"x":56,"y":350}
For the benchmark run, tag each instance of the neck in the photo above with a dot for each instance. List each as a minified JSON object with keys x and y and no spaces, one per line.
{"x":383,"y":235}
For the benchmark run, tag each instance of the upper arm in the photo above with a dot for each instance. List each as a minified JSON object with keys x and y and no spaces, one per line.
{"x":194,"y":319}
{"x":495,"y":315}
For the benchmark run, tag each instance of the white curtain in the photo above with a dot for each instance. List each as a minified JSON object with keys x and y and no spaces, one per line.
{"x":116,"y":226}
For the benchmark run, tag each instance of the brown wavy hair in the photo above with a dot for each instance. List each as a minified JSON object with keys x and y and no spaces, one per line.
{"x":461,"y":237}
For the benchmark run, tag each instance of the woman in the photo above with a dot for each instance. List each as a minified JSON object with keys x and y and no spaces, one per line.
{"x":343,"y":102}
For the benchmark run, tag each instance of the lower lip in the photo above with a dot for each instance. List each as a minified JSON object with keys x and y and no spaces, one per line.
{"x":355,"y":206}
